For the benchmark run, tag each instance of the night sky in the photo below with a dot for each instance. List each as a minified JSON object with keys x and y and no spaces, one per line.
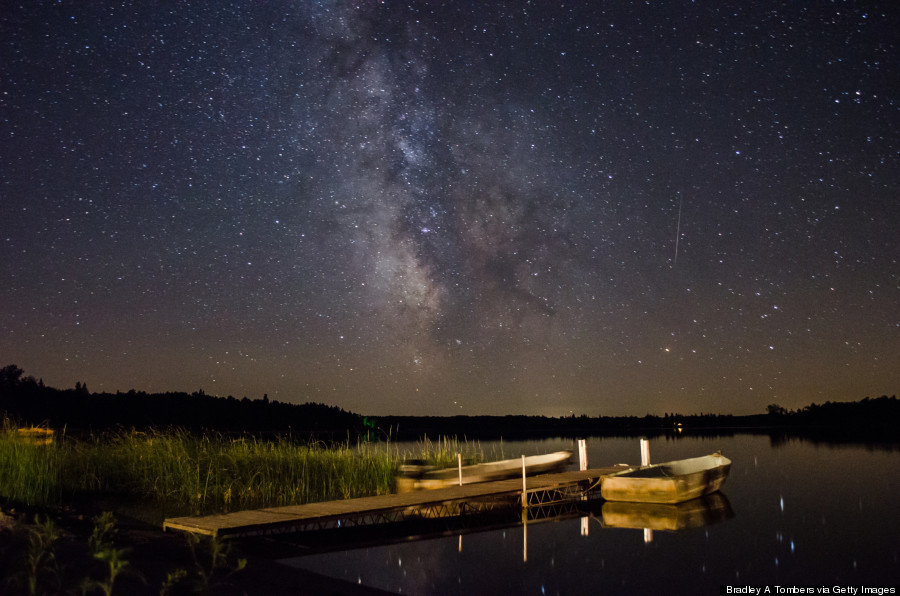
{"x":601,"y":208}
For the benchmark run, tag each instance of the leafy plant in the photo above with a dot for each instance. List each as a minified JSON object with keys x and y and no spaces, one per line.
{"x":214,"y":561}
{"x":40,"y":556}
{"x":173,"y":578}
{"x":105,"y":551}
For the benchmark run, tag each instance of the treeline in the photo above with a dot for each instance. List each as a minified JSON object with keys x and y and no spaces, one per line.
{"x":883,"y":412}
{"x":877,"y":418}
{"x":27,"y":401}
{"x":485,"y":427}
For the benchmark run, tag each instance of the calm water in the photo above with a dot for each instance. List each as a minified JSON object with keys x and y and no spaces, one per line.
{"x":802,"y":514}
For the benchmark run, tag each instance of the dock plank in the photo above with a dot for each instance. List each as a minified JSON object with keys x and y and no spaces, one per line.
{"x":292,"y":517}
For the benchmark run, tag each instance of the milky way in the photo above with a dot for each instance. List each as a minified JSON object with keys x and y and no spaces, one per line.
{"x":433,"y":209}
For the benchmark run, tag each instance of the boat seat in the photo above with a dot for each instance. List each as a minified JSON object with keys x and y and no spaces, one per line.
{"x":652,"y":472}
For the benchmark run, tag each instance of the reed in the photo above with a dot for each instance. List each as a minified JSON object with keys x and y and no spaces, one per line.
{"x":184,"y":473}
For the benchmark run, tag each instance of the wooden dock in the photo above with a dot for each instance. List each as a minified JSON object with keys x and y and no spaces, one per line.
{"x":382,"y":509}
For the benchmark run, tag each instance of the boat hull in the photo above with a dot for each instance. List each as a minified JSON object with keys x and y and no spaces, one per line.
{"x":671,"y":482}
{"x":511,"y":468}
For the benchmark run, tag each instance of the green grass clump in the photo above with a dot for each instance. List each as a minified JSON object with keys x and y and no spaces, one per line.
{"x":29,"y":471}
{"x":443,"y":452}
{"x":190,"y":473}
{"x":185,"y":473}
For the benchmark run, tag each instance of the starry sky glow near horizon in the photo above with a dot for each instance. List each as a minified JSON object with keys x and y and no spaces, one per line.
{"x":442,"y":208}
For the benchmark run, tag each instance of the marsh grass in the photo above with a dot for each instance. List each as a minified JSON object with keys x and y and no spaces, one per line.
{"x":442,"y":453}
{"x":29,"y":471}
{"x":185,"y":473}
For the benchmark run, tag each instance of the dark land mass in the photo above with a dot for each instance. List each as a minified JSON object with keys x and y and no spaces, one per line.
{"x":27,"y":401}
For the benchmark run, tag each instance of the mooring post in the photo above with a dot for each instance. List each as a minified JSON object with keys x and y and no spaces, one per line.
{"x":524,"y":536}
{"x":524,"y":496}
{"x":459,"y":465}
{"x":582,"y":463}
{"x":645,"y":451}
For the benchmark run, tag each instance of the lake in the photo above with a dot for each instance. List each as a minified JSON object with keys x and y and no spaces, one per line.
{"x":795,"y":512}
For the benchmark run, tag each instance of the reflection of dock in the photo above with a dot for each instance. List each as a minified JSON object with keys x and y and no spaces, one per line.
{"x":344,"y":538}
{"x":540,"y":491}
{"x":649,"y":517}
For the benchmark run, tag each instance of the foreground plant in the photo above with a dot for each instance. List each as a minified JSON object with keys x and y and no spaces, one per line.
{"x":104,"y":550}
{"x":214,"y":561}
{"x":41,"y":568}
{"x":173,"y":579}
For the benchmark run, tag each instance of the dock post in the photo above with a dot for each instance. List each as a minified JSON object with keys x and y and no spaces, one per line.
{"x":582,"y":455}
{"x":459,"y":464}
{"x":645,"y":451}
{"x":524,"y":536}
{"x":524,"y":495}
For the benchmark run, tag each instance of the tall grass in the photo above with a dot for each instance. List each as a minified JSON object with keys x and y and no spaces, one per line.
{"x":442,"y":453}
{"x":29,"y":472}
{"x":187,"y":473}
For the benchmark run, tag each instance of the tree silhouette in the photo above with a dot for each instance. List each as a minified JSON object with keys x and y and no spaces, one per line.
{"x":9,"y":376}
{"x":776,"y":410}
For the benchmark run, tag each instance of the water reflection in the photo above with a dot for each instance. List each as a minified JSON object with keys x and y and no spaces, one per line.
{"x":649,"y":517}
{"x":805,"y":514}
{"x":672,"y":517}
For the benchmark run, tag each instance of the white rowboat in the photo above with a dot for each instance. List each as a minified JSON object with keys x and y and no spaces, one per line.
{"x":670,"y":482}
{"x":418,"y":477}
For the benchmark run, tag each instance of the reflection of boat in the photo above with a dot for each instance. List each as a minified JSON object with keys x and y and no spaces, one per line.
{"x":670,"y":482}
{"x":706,"y":510}
{"x":417,"y":476}
{"x":36,"y":435}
